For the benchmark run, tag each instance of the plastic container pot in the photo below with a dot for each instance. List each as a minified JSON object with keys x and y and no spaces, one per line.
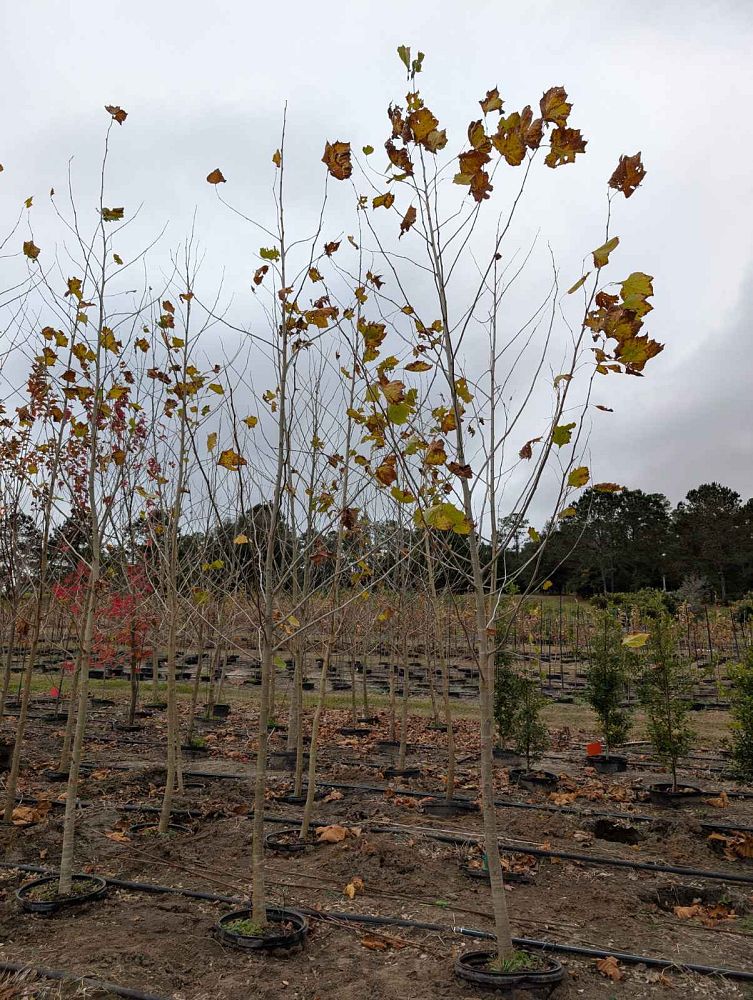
{"x":473,"y":967}
{"x":287,"y":932}
{"x":93,"y":888}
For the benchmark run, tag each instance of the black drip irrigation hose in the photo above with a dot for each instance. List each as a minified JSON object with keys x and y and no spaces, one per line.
{"x":585,"y":951}
{"x":603,"y":861}
{"x":68,"y":977}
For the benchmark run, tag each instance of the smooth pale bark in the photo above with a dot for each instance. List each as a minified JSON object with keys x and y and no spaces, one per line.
{"x":11,"y":640}
{"x":314,"y":746}
{"x":65,"y":752}
{"x":196,"y":683}
{"x":77,"y":750}
{"x":258,"y":882}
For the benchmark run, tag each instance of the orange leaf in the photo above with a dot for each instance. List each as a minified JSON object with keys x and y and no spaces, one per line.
{"x":610,"y":968}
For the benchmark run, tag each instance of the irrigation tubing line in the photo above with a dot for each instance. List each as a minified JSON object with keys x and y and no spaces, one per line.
{"x":376,"y":921}
{"x":502,"y":803}
{"x":69,"y":977}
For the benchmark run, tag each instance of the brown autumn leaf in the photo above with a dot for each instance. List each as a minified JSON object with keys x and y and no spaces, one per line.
{"x":721,"y":801}
{"x":337,"y":160}
{"x":555,"y":107}
{"x":461,"y":471}
{"x":408,"y":219}
{"x":383,"y":200}
{"x":349,"y":517}
{"x":492,"y":101}
{"x":29,"y":815}
{"x":118,"y":836}
{"x":117,"y":113}
{"x":30,"y":250}
{"x":527,"y":450}
{"x":687,"y":912}
{"x":332,"y":834}
{"x":608,"y":487}
{"x":215,"y":177}
{"x":386,"y":472}
{"x":564,"y":146}
{"x":330,"y":248}
{"x":374,"y":943}
{"x":628,"y":174}
{"x":335,"y":795}
{"x":353,"y":887}
{"x":399,"y":157}
{"x":610,"y":968}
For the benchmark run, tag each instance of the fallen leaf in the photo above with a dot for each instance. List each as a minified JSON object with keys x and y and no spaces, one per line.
{"x":610,"y":968}
{"x":332,"y":834}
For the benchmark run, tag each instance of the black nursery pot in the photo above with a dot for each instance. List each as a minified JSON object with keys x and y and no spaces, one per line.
{"x":509,"y":757}
{"x":284,"y":760}
{"x":6,"y":756}
{"x":662,"y":794}
{"x":510,"y":878}
{"x":603,"y":764}
{"x":55,"y":775}
{"x":401,"y":772}
{"x":157,"y":706}
{"x":472,"y":967}
{"x":354,"y":731}
{"x":145,"y":828}
{"x":25,"y":895}
{"x":103,"y":702}
{"x":125,"y":727}
{"x":447,"y":808}
{"x":533,"y":779}
{"x":219,"y":711}
{"x":293,"y":928}
{"x":194,"y":750}
{"x":369,"y":720}
{"x":287,"y":841}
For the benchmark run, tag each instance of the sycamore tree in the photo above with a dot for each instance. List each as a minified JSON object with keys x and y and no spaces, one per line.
{"x":436,"y":297}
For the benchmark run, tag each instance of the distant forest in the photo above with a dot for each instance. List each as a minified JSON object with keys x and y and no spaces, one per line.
{"x":626,"y":541}
{"x":608,"y":543}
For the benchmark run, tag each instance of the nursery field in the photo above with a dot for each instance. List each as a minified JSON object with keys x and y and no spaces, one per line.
{"x":392,"y":885}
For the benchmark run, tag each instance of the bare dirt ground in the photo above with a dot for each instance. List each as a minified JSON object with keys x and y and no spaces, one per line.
{"x":164,"y":944}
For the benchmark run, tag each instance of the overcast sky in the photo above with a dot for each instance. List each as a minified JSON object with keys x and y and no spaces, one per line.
{"x":205,"y":85}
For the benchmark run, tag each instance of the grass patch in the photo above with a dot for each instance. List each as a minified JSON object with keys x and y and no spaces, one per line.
{"x":518,"y":961}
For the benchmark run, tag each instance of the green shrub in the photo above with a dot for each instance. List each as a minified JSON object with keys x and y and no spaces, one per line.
{"x":665,"y":685}
{"x":607,"y":678}
{"x":742,"y":715}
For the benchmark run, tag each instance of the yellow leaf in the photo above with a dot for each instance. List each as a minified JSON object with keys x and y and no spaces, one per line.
{"x":547,"y":585}
{"x":578,"y":477}
{"x":231,"y":460}
{"x":636,"y":640}
{"x":108,"y":341}
{"x":211,"y":441}
{"x":250,"y":422}
{"x":240,"y":539}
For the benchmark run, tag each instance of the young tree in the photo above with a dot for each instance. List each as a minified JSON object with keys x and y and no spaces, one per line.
{"x":664,"y":688}
{"x":741,"y":696}
{"x":607,"y":676}
{"x":465,"y":457}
